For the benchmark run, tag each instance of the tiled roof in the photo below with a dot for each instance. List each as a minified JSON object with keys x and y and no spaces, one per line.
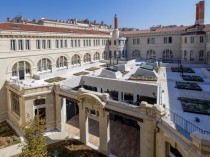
{"x":39,"y":28}
{"x":162,"y":29}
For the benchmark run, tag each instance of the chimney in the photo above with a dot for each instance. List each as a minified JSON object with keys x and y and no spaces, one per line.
{"x":115,"y":22}
{"x":200,"y":7}
{"x":197,"y":14}
{"x":201,"y":12}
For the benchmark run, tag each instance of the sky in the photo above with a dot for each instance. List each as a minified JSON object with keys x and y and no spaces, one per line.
{"x":131,"y":13}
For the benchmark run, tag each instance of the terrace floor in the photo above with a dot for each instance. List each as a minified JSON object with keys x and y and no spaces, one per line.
{"x":168,"y":79}
{"x":119,"y":145}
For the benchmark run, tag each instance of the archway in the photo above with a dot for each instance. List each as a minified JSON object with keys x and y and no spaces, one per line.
{"x":136,"y":54}
{"x":96,"y":56}
{"x":44,"y":65}
{"x":62,"y":62}
{"x":151,"y":54}
{"x":87,"y":58}
{"x":167,"y":55}
{"x":75,"y":60}
{"x":21,"y":70}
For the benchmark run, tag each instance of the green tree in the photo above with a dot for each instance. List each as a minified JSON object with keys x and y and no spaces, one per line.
{"x":35,"y":143}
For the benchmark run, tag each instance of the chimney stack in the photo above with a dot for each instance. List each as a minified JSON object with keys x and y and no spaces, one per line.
{"x":115,"y":22}
{"x":200,"y":9}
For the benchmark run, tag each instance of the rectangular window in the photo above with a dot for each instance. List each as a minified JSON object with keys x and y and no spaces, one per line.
{"x":12,"y":45}
{"x":48,"y":44}
{"x":65,"y":43}
{"x":115,"y":42}
{"x":94,"y":43}
{"x":75,"y":43}
{"x":78,"y":43}
{"x":185,"y":40}
{"x":191,"y":55}
{"x":201,"y":55}
{"x":43,"y":44}
{"x":72,"y":43}
{"x":15,"y":103}
{"x":165,"y":40}
{"x":57,"y":44}
{"x":191,"y":39}
{"x":27,"y":42}
{"x":38,"y":44}
{"x":84,"y":43}
{"x":99,"y":42}
{"x":20,"y":44}
{"x":89,"y":42}
{"x":201,"y":39}
{"x":150,"y":40}
{"x":169,"y":39}
{"x":61,"y":43}
{"x":138,"y":41}
{"x":134,"y":41}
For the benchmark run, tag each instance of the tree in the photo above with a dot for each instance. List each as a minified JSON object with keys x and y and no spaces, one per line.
{"x":35,"y":144}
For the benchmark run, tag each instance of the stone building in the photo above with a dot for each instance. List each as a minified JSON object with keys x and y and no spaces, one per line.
{"x":31,"y":53}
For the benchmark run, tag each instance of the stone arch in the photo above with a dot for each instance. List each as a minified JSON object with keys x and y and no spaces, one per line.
{"x":151,"y":54}
{"x":44,"y":56}
{"x":96,"y":56}
{"x":91,"y":99}
{"x":44,"y":64}
{"x":136,"y":54}
{"x":87,"y":58}
{"x":11,"y":64}
{"x":76,"y":59}
{"x":168,"y":54}
{"x":21,"y":70}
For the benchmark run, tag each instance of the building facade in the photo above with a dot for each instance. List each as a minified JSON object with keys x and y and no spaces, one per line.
{"x":34,"y":51}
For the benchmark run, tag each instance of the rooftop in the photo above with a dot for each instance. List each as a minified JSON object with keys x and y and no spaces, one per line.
{"x":38,"y":28}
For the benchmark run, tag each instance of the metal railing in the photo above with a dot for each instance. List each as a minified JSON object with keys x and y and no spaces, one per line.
{"x":185,"y":125}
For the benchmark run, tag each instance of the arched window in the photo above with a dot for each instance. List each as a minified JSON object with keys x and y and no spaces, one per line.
{"x":151,"y":54}
{"x":96,"y":56}
{"x":44,"y":65}
{"x":105,"y":55}
{"x":62,"y":62}
{"x":136,"y":54}
{"x":21,"y":70}
{"x":75,"y":60}
{"x":87,"y":58}
{"x":167,"y":54}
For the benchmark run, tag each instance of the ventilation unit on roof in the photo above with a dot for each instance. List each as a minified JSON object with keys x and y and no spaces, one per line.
{"x":152,"y":29}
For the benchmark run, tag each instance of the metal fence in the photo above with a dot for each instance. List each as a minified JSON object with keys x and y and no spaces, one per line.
{"x":186,"y":125}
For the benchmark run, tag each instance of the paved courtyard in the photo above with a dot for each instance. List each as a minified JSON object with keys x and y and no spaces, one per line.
{"x":125,"y":140}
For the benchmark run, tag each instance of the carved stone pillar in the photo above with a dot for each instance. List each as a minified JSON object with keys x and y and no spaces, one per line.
{"x":104,"y":131}
{"x":83,"y":124}
{"x":147,"y":143}
{"x":58,"y":101}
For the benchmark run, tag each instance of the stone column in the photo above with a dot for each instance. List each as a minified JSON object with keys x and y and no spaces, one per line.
{"x":63,"y":114}
{"x":104,"y":131}
{"x":147,"y":128}
{"x":83,"y":124}
{"x":58,"y":101}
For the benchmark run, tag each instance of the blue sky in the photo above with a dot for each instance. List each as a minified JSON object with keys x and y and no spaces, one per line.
{"x":131,"y":13}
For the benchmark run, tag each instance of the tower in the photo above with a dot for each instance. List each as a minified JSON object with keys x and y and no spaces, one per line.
{"x":115,"y":22}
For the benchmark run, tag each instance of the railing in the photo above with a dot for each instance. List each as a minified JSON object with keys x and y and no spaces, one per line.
{"x":185,"y":125}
